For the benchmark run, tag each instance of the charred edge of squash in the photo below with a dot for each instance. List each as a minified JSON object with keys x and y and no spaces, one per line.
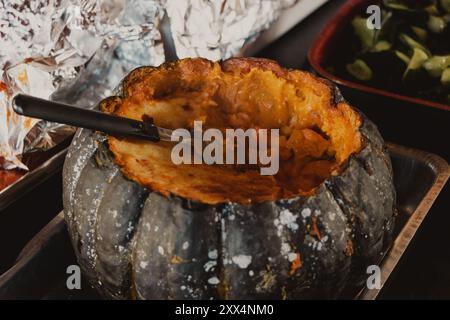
{"x":134,"y":76}
{"x":110,"y":104}
{"x":243,"y":65}
{"x":337,"y":95}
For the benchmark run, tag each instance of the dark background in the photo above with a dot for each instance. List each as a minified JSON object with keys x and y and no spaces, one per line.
{"x":423,"y":271}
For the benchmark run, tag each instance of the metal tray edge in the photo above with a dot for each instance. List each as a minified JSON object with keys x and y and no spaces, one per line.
{"x":32,"y":179}
{"x":38,"y":243}
{"x":401,"y":242}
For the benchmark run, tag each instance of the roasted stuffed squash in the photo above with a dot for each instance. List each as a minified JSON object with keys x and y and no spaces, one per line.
{"x":144,"y":227}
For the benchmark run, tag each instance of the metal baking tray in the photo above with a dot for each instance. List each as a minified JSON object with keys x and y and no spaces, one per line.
{"x":44,"y":164}
{"x":40,"y":269}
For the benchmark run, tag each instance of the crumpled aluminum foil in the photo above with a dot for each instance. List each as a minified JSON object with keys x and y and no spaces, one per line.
{"x":219,"y":29}
{"x":77,"y":51}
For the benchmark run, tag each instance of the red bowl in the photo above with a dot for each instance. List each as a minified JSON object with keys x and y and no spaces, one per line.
{"x":334,"y":35}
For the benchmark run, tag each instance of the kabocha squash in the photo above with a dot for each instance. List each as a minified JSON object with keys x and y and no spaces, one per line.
{"x":143,"y":227}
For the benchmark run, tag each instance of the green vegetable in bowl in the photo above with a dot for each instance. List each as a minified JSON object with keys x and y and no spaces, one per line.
{"x":360,"y":70}
{"x":420,"y":33}
{"x":445,"y":78}
{"x":414,"y":73}
{"x":445,"y":5}
{"x":403,"y":57}
{"x":436,"y":24}
{"x":410,"y":54}
{"x":364,"y":34}
{"x":382,"y":46}
{"x":436,"y":65}
{"x":412,"y":44}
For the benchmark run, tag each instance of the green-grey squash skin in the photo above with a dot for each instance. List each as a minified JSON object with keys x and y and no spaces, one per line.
{"x":134,"y":243}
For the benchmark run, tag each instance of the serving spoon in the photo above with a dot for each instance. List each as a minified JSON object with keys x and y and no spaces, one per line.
{"x":90,"y":119}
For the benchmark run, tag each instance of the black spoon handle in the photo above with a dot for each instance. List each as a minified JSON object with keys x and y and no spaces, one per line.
{"x":84,"y":118}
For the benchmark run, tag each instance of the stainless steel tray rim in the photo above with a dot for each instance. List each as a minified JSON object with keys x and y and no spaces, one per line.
{"x":401,"y":242}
